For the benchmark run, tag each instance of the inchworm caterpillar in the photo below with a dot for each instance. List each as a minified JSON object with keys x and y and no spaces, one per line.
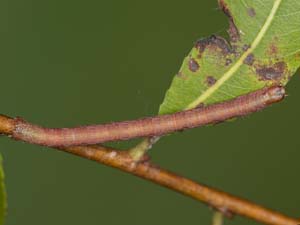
{"x":151,"y":126}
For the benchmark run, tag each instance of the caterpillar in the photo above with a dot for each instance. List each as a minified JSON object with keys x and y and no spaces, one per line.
{"x":151,"y":126}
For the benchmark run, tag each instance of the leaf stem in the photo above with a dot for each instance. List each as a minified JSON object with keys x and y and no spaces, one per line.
{"x":138,"y":151}
{"x":218,"y":218}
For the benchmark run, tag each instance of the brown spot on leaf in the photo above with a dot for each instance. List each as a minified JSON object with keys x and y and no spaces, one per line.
{"x":249,"y":59}
{"x":228,"y":62}
{"x":275,"y":72}
{"x":272,"y":49}
{"x":181,"y":75}
{"x":246,"y":47}
{"x":193,"y":65}
{"x":213,"y":43}
{"x":210,"y":81}
{"x":251,"y":12}
{"x":232,"y":31}
{"x":297,"y":56}
{"x":220,"y":43}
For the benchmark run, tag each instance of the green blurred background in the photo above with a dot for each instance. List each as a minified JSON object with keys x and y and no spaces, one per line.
{"x":68,"y":63}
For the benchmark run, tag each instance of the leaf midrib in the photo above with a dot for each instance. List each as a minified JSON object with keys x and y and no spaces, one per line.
{"x":239,"y":63}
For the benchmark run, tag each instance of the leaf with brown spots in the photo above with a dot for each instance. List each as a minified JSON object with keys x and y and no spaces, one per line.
{"x":263,"y":50}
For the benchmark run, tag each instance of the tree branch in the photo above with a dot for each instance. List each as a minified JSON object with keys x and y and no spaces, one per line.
{"x":123,"y":160}
{"x":223,"y":202}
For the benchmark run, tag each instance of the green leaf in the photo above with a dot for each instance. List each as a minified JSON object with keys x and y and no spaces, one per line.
{"x":264,"y":50}
{"x":3,"y":203}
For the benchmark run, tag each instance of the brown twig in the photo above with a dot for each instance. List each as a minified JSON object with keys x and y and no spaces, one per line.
{"x":148,"y":127}
{"x":223,"y":202}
